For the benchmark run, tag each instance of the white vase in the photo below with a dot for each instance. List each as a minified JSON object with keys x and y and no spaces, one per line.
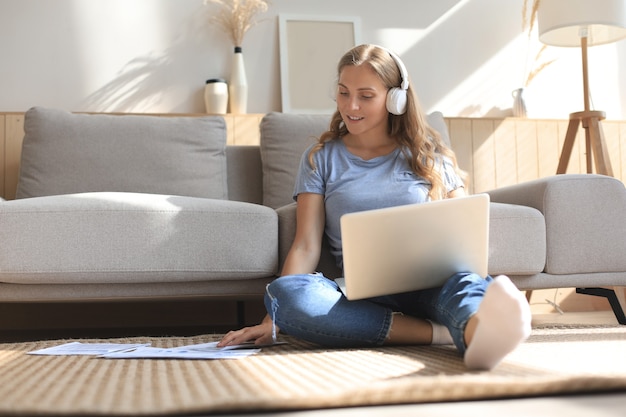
{"x":216,"y":96}
{"x":519,"y":104}
{"x":238,"y":85}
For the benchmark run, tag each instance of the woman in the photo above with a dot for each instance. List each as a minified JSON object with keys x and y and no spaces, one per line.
{"x":380,"y":152}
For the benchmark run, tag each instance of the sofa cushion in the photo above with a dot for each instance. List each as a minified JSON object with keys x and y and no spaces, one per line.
{"x":66,"y":153}
{"x":285,"y":137}
{"x":100,"y":238}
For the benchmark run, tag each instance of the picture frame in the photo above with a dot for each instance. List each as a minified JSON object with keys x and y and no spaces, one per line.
{"x":310,"y":48}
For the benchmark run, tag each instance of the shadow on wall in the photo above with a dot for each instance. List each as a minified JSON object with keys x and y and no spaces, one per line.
{"x":141,"y":85}
{"x":153,"y":81}
{"x":622,"y":88}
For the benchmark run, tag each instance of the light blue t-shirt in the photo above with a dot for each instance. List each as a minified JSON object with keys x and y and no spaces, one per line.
{"x":350,"y":184}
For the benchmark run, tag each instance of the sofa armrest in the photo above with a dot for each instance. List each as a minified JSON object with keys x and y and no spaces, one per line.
{"x":585,"y":217}
{"x":286,"y":235}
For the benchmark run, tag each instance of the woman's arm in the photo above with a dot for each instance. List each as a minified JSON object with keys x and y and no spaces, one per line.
{"x":304,"y":254}
{"x":301,"y":259}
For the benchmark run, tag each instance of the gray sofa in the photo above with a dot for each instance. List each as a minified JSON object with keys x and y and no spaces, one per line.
{"x":118,"y":207}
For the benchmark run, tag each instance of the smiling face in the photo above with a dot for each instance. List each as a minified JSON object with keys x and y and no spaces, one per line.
{"x":361,"y":101}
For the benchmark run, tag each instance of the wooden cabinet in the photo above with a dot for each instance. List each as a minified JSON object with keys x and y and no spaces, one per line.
{"x":501,"y":152}
{"x":11,"y":136}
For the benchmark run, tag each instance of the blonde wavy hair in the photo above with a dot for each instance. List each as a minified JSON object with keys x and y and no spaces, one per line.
{"x":421,"y":144}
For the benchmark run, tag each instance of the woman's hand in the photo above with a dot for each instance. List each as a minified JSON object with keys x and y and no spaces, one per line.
{"x":459,"y":192}
{"x":261,"y":334}
{"x":302,"y":259}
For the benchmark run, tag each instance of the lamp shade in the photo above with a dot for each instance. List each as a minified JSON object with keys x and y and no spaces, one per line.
{"x":563,"y":22}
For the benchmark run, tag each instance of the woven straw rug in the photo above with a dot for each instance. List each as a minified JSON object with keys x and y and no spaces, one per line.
{"x":302,"y":376}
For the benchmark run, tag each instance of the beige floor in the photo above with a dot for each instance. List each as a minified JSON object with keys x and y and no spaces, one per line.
{"x":605,"y":405}
{"x":597,"y":405}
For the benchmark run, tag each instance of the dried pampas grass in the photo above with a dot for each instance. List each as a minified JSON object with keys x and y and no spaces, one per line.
{"x":539,"y":67}
{"x":236,"y":17}
{"x":529,"y":21}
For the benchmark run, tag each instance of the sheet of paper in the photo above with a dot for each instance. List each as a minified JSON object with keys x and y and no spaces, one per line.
{"x":180,"y":353}
{"x":196,"y":351}
{"x":144,"y":350}
{"x":95,"y":349}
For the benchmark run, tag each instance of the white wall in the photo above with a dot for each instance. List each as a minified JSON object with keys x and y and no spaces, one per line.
{"x":464,"y":56}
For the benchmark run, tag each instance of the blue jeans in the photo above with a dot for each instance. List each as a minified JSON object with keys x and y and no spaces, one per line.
{"x":313,"y":308}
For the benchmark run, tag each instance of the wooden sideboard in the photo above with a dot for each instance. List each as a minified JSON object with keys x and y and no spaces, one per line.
{"x":494,"y":152}
{"x":501,"y":152}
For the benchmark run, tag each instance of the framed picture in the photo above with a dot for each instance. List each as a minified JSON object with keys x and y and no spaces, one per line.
{"x":310,"y":48}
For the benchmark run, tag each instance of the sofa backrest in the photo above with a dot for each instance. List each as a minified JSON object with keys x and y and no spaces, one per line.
{"x":65,"y":153}
{"x":285,"y":137}
{"x":245,"y":175}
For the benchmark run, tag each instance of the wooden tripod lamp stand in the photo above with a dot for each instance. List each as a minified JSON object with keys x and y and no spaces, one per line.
{"x":583,"y":23}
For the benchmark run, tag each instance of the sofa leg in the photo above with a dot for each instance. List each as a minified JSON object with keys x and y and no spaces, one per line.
{"x":529,"y":295}
{"x":611,"y":296}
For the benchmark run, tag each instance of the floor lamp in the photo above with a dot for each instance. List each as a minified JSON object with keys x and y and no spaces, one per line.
{"x":583,"y":23}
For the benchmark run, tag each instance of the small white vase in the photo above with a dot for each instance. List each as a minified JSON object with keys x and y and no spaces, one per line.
{"x":519,"y":104}
{"x":238,"y":85}
{"x":216,"y":96}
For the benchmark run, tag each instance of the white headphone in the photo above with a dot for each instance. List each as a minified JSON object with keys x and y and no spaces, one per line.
{"x":396,"y":96}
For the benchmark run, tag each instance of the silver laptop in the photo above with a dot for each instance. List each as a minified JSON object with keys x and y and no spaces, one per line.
{"x":413,"y":247}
